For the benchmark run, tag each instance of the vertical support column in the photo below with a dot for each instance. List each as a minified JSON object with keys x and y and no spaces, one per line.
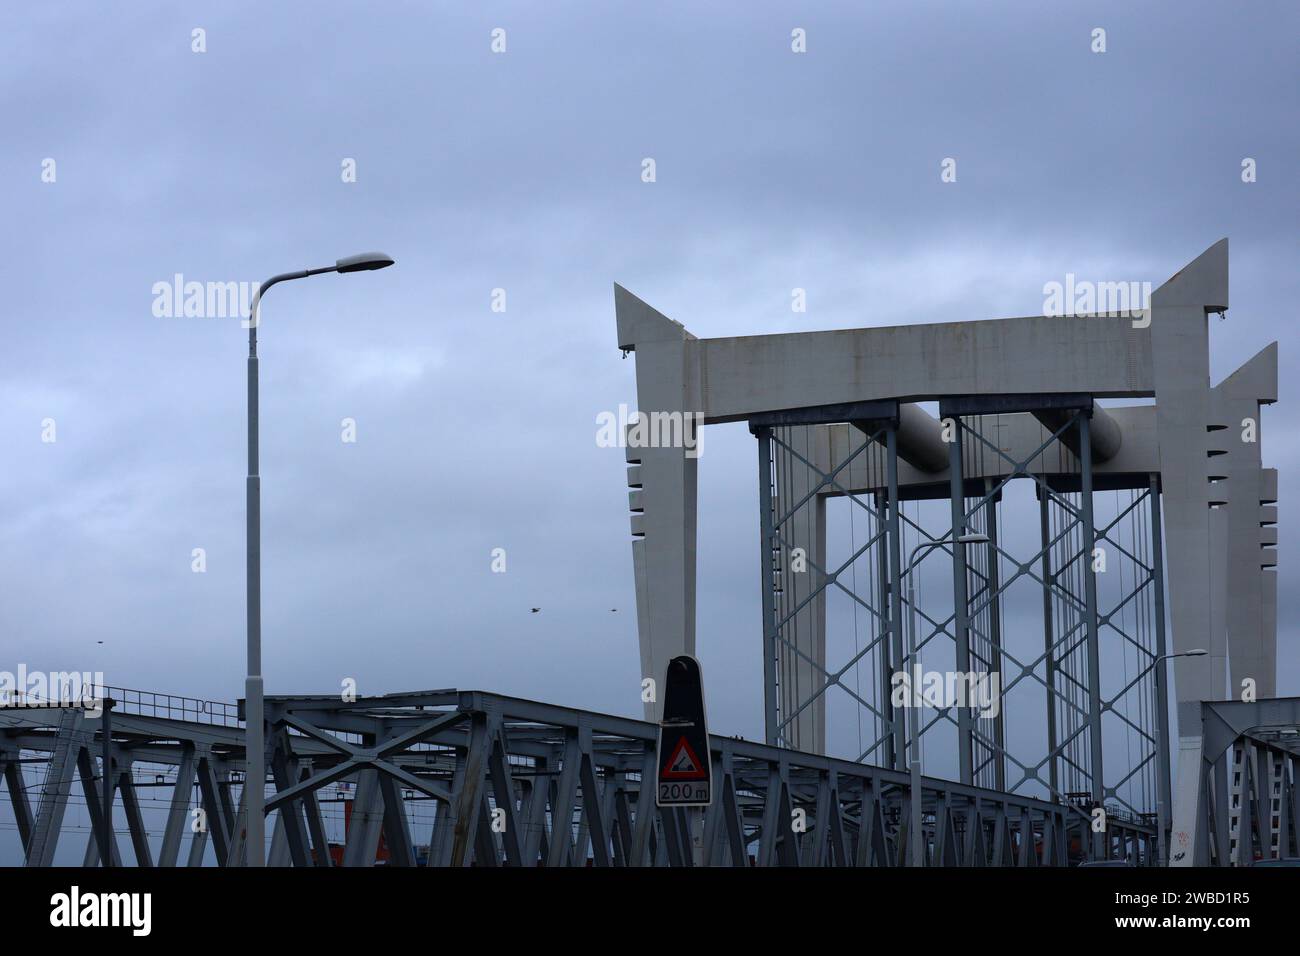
{"x":817,"y":611}
{"x":1045,"y":532}
{"x":1164,"y":798}
{"x":1090,"y":602}
{"x":895,"y":545}
{"x":889,"y":659}
{"x":961,"y":600}
{"x":801,"y":594}
{"x":106,"y":763}
{"x":995,"y":632}
{"x":770,"y":716}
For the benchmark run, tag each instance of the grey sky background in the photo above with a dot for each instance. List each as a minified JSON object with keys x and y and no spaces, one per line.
{"x":522,"y":171}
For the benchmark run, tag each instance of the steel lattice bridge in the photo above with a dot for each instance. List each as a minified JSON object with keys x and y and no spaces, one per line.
{"x":562,"y":786}
{"x":1098,"y":514}
{"x":455,"y":778}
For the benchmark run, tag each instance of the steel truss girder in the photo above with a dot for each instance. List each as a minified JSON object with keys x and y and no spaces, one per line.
{"x":1248,"y":802}
{"x":521,"y":783}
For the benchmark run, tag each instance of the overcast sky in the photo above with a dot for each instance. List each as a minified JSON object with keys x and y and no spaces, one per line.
{"x":522,"y":171}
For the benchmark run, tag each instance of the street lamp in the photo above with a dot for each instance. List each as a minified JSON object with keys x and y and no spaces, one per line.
{"x":1161,"y":810}
{"x":255,"y":742}
{"x":914,"y":745}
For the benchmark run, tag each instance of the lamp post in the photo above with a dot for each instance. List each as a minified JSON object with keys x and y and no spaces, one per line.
{"x":1162,"y":811}
{"x":255,"y":742}
{"x":914,"y":746}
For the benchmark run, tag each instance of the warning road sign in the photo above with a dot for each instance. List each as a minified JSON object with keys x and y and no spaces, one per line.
{"x":685,"y":777}
{"x":683,"y":764}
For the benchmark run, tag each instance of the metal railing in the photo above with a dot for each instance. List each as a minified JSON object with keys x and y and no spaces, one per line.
{"x":145,"y":703}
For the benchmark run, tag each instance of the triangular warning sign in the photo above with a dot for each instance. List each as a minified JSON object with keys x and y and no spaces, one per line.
{"x":683,"y":764}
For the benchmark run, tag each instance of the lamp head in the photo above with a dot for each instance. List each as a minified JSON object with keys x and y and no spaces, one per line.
{"x":363,"y":262}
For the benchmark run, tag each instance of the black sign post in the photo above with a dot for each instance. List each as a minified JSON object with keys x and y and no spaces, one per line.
{"x":685,"y":777}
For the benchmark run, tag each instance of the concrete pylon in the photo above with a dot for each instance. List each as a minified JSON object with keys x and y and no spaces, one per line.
{"x":663,"y":546}
{"x":1196,"y":538}
{"x":1251,"y":634}
{"x":1181,"y":374}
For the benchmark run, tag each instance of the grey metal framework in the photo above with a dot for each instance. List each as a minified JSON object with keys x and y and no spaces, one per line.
{"x":510,"y":782}
{"x":1249,"y":774}
{"x":199,"y":743}
{"x":1096,"y":673}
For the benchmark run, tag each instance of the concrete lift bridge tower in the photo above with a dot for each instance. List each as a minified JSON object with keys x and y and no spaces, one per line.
{"x":835,"y":415}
